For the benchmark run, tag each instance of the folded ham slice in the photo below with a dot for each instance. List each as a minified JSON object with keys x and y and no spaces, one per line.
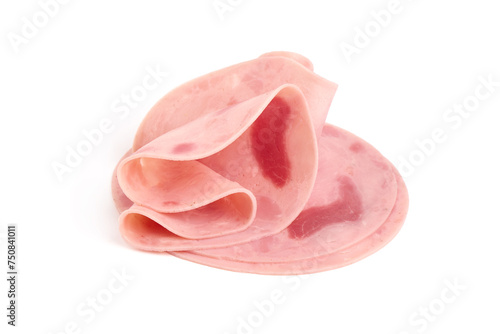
{"x":237,"y":170}
{"x":216,"y":185}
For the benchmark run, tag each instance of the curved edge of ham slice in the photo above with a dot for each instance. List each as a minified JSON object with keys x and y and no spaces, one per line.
{"x":292,"y":55}
{"x":122,"y":202}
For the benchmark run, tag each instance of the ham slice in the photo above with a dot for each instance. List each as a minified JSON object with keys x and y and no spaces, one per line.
{"x":237,"y":170}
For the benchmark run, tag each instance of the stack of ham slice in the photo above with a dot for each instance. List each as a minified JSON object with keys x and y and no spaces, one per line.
{"x":238,"y":170}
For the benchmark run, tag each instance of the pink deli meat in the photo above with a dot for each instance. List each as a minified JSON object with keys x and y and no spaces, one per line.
{"x":237,"y":170}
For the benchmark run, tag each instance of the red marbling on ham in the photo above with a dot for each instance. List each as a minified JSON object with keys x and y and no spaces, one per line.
{"x":238,"y":170}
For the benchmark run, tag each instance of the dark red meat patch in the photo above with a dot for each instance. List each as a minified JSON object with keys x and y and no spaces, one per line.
{"x":268,"y":142}
{"x":347,"y":208}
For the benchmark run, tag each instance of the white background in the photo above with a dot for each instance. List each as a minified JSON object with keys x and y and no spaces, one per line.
{"x":393,"y":92}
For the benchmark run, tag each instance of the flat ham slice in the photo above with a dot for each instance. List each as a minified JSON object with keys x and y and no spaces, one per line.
{"x":329,"y":260}
{"x":237,"y":170}
{"x":344,"y":220}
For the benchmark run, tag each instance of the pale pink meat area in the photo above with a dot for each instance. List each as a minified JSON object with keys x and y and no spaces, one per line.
{"x":237,"y":170}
